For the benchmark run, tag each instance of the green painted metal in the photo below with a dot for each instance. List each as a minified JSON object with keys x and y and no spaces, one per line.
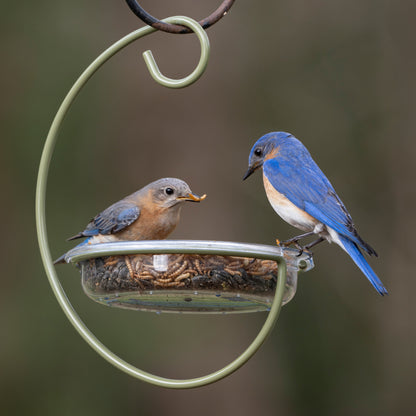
{"x":57,"y":288}
{"x":198,"y":71}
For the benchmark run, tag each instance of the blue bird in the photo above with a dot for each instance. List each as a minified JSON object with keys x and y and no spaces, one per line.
{"x":302,"y":195}
{"x":151,"y":213}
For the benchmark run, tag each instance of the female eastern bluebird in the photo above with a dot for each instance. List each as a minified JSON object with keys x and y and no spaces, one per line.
{"x":151,"y":213}
{"x":302,"y":195}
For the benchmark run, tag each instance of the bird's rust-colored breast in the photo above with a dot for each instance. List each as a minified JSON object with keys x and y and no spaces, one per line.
{"x":154,"y":223}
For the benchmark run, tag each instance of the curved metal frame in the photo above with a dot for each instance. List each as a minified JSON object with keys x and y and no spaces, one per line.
{"x":147,"y":18}
{"x":41,"y":217}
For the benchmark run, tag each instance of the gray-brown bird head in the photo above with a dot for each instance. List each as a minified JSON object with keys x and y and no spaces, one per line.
{"x":168,"y":192}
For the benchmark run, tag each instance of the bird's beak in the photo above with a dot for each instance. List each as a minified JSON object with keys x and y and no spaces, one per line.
{"x":250,"y":170}
{"x":192,"y":198}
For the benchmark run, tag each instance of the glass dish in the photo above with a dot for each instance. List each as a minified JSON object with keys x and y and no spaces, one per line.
{"x":185,"y":275}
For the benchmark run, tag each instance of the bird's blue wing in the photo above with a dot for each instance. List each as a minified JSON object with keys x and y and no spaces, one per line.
{"x":304,"y":184}
{"x":113,"y":219}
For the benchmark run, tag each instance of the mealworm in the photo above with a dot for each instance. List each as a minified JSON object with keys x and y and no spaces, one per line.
{"x":128,"y":264}
{"x":183,"y":277}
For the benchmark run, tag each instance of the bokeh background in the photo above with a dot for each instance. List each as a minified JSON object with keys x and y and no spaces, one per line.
{"x":340,"y":75}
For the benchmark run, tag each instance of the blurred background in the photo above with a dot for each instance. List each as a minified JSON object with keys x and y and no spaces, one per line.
{"x":339,"y":75}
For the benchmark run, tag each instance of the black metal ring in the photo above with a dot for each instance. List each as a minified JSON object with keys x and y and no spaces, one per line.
{"x":167,"y":27}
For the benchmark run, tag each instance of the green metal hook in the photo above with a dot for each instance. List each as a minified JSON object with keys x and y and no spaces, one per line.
{"x":198,"y":71}
{"x":59,"y":292}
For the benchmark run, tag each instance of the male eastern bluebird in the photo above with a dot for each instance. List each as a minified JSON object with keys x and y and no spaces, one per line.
{"x":151,"y":213}
{"x":302,"y":195}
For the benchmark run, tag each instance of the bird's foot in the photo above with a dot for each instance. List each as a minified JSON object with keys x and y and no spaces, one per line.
{"x":290,"y":242}
{"x":295,"y":242}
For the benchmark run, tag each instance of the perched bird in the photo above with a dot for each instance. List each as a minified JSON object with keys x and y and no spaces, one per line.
{"x":302,"y":195}
{"x":151,"y":213}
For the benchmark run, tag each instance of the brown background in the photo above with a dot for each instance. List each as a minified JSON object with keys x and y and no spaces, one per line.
{"x":337,"y":74}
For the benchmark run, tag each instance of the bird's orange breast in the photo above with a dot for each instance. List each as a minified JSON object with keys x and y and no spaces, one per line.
{"x":154,"y":222}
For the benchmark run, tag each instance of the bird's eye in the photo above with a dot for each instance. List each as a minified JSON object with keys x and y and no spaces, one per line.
{"x":258,"y":152}
{"x":169,"y":191}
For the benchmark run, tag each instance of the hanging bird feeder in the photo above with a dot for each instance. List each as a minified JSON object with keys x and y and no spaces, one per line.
{"x":187,"y":276}
{"x":170,"y":275}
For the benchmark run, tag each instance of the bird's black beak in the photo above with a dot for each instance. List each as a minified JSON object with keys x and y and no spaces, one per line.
{"x":249,"y":172}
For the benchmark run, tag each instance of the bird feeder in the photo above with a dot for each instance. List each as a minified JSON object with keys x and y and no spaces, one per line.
{"x":186,"y":276}
{"x":183,"y":276}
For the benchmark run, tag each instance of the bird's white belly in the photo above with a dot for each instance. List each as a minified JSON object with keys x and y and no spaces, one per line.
{"x":289,"y":211}
{"x":101,"y":238}
{"x":297,"y":217}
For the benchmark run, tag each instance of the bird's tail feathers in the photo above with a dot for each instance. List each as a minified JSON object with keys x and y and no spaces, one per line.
{"x":366,"y":247}
{"x":74,"y":237}
{"x":61,"y":259}
{"x":355,"y":253}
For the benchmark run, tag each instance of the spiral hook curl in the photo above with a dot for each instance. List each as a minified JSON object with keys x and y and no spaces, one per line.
{"x":198,"y":71}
